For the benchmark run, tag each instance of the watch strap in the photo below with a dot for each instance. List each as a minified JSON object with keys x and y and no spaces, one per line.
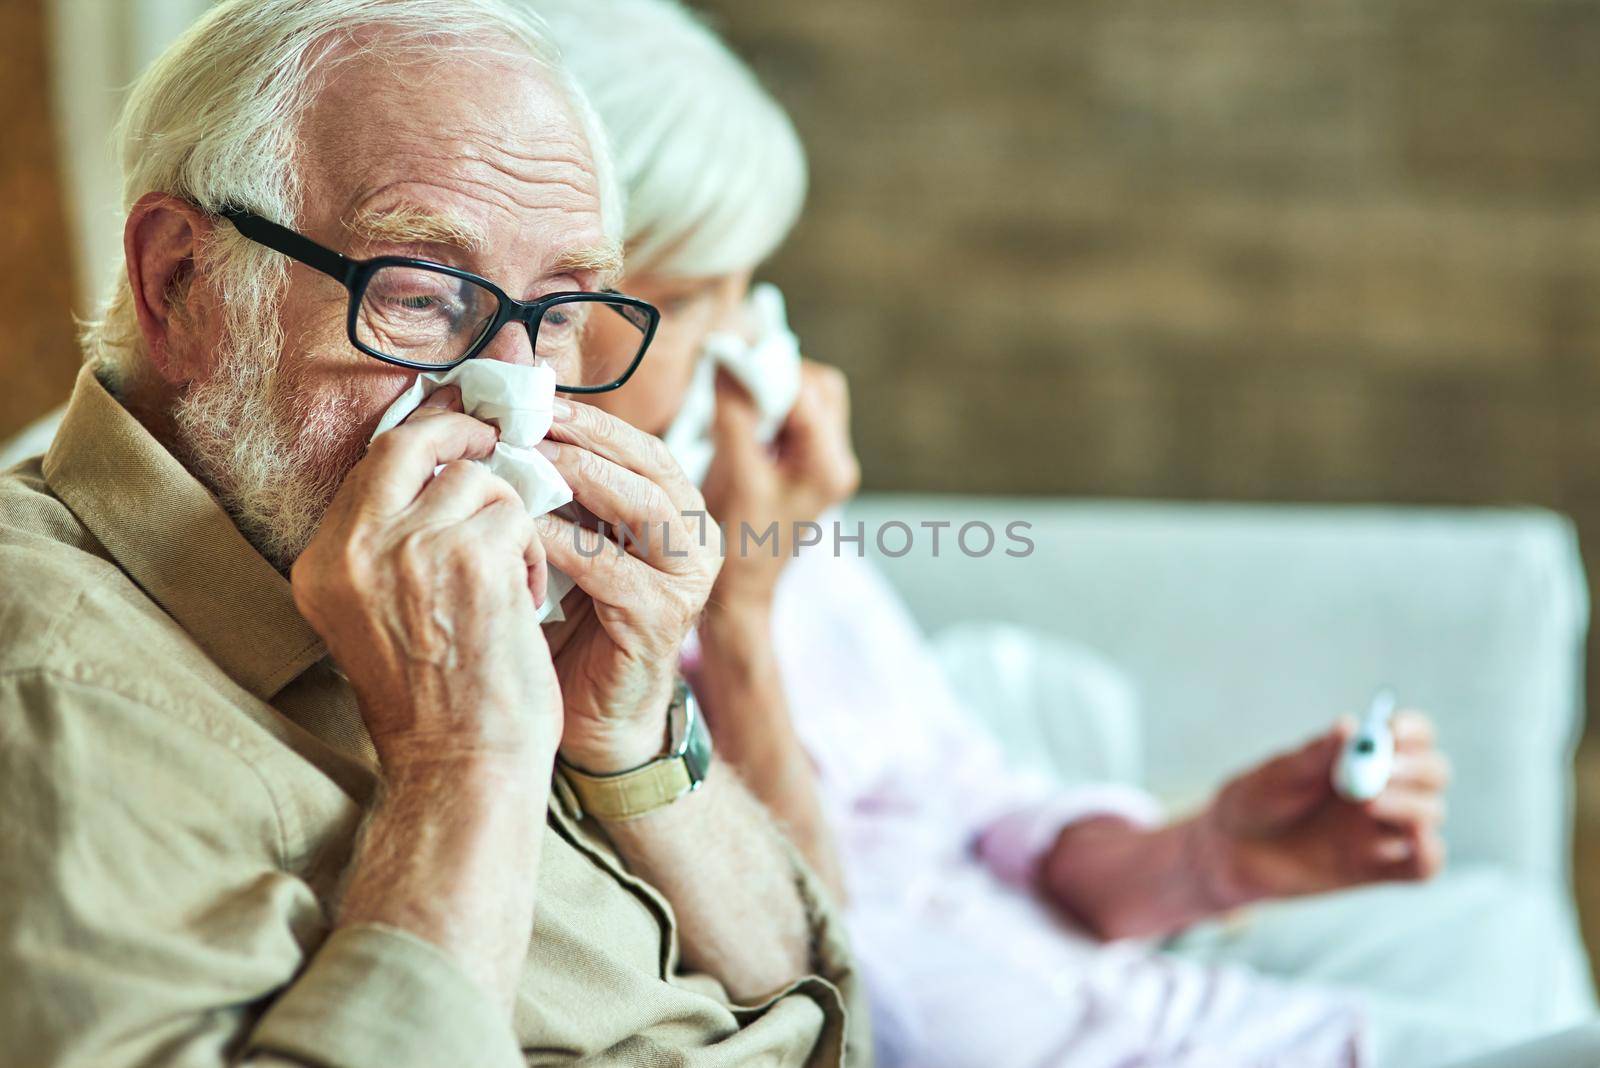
{"x":630,"y":794}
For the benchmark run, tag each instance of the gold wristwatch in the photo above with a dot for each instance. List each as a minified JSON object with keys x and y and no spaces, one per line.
{"x":626,"y":795}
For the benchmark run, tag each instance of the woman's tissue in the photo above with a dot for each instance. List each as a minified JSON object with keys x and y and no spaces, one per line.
{"x":768,"y":368}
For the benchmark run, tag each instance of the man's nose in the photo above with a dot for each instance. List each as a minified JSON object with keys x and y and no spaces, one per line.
{"x":511,"y":345}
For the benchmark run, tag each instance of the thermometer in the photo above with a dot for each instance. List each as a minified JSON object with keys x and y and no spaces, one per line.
{"x":1366,"y":760}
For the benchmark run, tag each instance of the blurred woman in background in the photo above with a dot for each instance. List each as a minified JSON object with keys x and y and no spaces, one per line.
{"x":982,"y":901}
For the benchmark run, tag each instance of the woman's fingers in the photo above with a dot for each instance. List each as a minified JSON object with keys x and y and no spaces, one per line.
{"x":1402,"y":807}
{"x":1407,"y":856}
{"x":1426,"y":770}
{"x":733,"y":432}
{"x":816,"y":438}
{"x":1413,"y":731}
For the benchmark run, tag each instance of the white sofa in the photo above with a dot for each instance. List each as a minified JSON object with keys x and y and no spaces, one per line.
{"x":1240,"y":629}
{"x":1245,"y":627}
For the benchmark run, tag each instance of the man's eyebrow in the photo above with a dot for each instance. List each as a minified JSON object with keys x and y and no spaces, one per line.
{"x":604,"y":260}
{"x":417,"y":226}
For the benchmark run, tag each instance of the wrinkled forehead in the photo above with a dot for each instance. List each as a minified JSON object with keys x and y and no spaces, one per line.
{"x":490,"y":138}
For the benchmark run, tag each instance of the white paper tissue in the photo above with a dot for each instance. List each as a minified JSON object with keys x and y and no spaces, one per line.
{"x":517,"y":399}
{"x":768,"y":368}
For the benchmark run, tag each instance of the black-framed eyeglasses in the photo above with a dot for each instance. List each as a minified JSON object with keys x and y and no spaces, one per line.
{"x":430,"y":317}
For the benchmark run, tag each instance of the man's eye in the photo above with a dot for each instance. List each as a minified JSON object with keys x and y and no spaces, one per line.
{"x":420,"y":305}
{"x":563,"y":319}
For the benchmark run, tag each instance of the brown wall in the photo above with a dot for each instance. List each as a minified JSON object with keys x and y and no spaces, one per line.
{"x":1332,"y":250}
{"x":1262,"y":249}
{"x":1338,"y":250}
{"x":38,"y":356}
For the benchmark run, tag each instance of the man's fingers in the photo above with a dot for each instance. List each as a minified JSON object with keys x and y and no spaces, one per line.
{"x":593,"y":561}
{"x":461,"y":489}
{"x":500,"y":531}
{"x":644,"y":518}
{"x":445,"y":397}
{"x":627,"y":446}
{"x":400,"y":462}
{"x":533,"y":555}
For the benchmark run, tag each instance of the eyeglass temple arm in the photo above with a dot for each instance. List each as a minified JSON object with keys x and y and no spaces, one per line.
{"x":295,"y":246}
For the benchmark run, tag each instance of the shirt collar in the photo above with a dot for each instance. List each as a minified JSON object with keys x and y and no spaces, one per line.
{"x":169,"y":534}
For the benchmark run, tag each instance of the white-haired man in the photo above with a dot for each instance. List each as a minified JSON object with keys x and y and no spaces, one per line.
{"x":190,"y":742}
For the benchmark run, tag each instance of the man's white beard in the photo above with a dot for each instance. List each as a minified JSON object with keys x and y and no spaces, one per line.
{"x":271,"y":454}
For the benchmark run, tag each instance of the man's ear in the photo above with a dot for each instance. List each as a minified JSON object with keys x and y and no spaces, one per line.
{"x":160,"y":242}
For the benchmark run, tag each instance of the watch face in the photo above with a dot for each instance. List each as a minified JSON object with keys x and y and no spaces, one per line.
{"x":697,"y":746}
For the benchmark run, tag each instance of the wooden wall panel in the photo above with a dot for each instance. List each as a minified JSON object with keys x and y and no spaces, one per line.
{"x":38,"y":351}
{"x":1330,"y":250}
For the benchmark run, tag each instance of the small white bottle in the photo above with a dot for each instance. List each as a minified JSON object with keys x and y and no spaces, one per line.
{"x":1367,"y":759}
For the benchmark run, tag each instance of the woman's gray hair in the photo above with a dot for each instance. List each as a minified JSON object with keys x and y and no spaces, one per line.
{"x":216,"y":118}
{"x":714,"y":172}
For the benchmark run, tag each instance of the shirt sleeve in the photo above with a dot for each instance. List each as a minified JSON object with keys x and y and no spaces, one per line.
{"x":834,"y":984}
{"x":889,"y":734}
{"x":146,"y":915}
{"x":1013,"y":844}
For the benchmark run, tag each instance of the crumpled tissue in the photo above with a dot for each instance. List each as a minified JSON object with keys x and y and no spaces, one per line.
{"x":768,"y":368}
{"x":516,"y":398}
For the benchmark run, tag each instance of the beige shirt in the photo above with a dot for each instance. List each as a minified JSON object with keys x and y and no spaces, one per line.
{"x":181,"y":776}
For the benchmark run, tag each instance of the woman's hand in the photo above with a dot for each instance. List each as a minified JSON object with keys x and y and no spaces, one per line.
{"x":809,"y":468}
{"x":1280,"y":830}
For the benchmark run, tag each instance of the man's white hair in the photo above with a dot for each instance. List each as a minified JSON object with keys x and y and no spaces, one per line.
{"x":713,"y":170}
{"x":215,"y":120}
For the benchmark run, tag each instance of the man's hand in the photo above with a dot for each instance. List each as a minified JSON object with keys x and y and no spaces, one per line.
{"x":617,"y":652}
{"x":1280,"y":830}
{"x":713,"y":854}
{"x":423,"y":587}
{"x":809,"y":468}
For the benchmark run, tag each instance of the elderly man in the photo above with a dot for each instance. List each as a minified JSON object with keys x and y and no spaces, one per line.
{"x":317,"y":819}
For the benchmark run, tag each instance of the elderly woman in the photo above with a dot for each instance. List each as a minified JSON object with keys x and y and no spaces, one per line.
{"x":984,"y":903}
{"x":981,"y":899}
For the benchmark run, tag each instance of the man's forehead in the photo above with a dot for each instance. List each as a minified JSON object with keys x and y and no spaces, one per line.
{"x":397,"y":146}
